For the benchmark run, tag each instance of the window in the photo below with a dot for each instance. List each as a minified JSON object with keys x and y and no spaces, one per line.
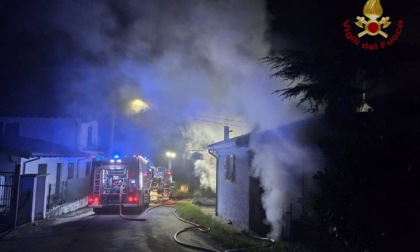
{"x":58,"y":179}
{"x":70,"y":174}
{"x":230,"y":167}
{"x":42,"y":169}
{"x":87,"y":169}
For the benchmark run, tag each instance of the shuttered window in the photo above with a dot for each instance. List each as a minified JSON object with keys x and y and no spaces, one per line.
{"x":230,"y":167}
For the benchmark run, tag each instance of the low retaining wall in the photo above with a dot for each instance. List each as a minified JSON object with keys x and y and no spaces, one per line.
{"x":69,"y":207}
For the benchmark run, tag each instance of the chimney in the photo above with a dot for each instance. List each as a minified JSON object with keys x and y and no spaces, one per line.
{"x":226,"y":133}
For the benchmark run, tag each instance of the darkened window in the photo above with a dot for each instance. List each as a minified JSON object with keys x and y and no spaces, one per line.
{"x":1,"y":128}
{"x":11,"y":129}
{"x":87,"y":169}
{"x":42,"y":169}
{"x":230,"y":167}
{"x":58,"y":179}
{"x":70,"y":174}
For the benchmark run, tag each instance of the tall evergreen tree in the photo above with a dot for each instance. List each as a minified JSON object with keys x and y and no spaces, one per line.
{"x":369,"y":189}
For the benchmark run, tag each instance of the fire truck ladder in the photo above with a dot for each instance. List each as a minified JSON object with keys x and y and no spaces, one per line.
{"x":97,"y":183}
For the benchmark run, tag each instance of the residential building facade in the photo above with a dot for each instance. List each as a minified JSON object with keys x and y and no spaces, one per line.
{"x":52,"y":157}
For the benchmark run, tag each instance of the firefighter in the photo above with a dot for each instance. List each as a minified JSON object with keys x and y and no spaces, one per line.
{"x":160,"y":190}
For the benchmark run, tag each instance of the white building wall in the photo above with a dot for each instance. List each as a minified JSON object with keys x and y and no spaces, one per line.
{"x":32,"y":168}
{"x":233,"y":196}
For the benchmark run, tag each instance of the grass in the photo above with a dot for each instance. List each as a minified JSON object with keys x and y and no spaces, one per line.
{"x":228,"y":236}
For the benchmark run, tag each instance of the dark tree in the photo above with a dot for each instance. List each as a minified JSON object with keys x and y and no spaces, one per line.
{"x":369,"y":188}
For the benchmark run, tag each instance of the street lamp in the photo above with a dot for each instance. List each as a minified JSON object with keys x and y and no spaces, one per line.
{"x":170,"y":156}
{"x":136,"y":106}
{"x":133,"y":107}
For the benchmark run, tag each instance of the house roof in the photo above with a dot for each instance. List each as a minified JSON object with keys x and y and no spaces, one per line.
{"x":298,"y":130}
{"x":242,"y":141}
{"x":29,"y":147}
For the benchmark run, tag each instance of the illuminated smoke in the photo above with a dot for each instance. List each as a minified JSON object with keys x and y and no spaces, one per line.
{"x":195,"y":63}
{"x":136,"y":106}
{"x":280,"y":162}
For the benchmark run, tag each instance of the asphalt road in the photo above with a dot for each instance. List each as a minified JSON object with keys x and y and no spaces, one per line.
{"x":83,"y":230}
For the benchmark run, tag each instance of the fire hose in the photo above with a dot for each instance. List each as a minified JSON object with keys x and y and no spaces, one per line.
{"x":194,"y":226}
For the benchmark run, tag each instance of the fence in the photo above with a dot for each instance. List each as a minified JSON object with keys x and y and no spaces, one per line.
{"x":67,"y":191}
{"x":8,"y":196}
{"x":7,"y":184}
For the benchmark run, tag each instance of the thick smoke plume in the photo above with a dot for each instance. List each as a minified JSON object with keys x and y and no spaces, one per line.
{"x":196,"y":65}
{"x":283,"y":166}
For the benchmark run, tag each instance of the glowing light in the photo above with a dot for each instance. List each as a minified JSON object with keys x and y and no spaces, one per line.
{"x":171,"y":154}
{"x":137,"y":106}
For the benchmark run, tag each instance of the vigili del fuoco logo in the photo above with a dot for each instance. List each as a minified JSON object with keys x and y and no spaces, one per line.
{"x":372,"y":24}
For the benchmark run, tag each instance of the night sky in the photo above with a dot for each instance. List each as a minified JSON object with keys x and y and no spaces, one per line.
{"x":90,"y":58}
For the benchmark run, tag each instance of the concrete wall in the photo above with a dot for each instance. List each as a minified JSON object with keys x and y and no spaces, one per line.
{"x":233,"y":196}
{"x":69,"y":207}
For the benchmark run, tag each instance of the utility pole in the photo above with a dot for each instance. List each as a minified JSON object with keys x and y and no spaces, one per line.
{"x":111,"y":148}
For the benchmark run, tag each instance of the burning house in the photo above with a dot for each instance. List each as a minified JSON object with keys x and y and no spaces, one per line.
{"x":264,"y":178}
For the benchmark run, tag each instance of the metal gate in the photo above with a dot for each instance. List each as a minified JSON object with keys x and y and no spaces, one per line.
{"x":8,"y":195}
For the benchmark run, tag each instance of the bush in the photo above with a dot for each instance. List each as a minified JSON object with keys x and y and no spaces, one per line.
{"x":204,"y":193}
{"x":180,"y":195}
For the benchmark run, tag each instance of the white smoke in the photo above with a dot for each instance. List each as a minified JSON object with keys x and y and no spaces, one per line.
{"x":195,"y":63}
{"x":282,"y":164}
{"x":198,"y":135}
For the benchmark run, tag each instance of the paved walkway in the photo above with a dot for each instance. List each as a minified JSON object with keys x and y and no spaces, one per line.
{"x":80,"y":213}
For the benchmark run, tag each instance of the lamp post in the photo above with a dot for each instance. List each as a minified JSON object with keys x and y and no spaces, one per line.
{"x":170,"y":156}
{"x":132,"y":108}
{"x":111,"y":148}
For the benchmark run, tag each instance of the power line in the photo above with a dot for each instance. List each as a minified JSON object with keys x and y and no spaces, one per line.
{"x":239,"y":126}
{"x":219,"y":118}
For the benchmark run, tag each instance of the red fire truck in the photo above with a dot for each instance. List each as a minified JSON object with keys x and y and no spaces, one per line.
{"x":164,"y":175}
{"x":128,"y":178}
